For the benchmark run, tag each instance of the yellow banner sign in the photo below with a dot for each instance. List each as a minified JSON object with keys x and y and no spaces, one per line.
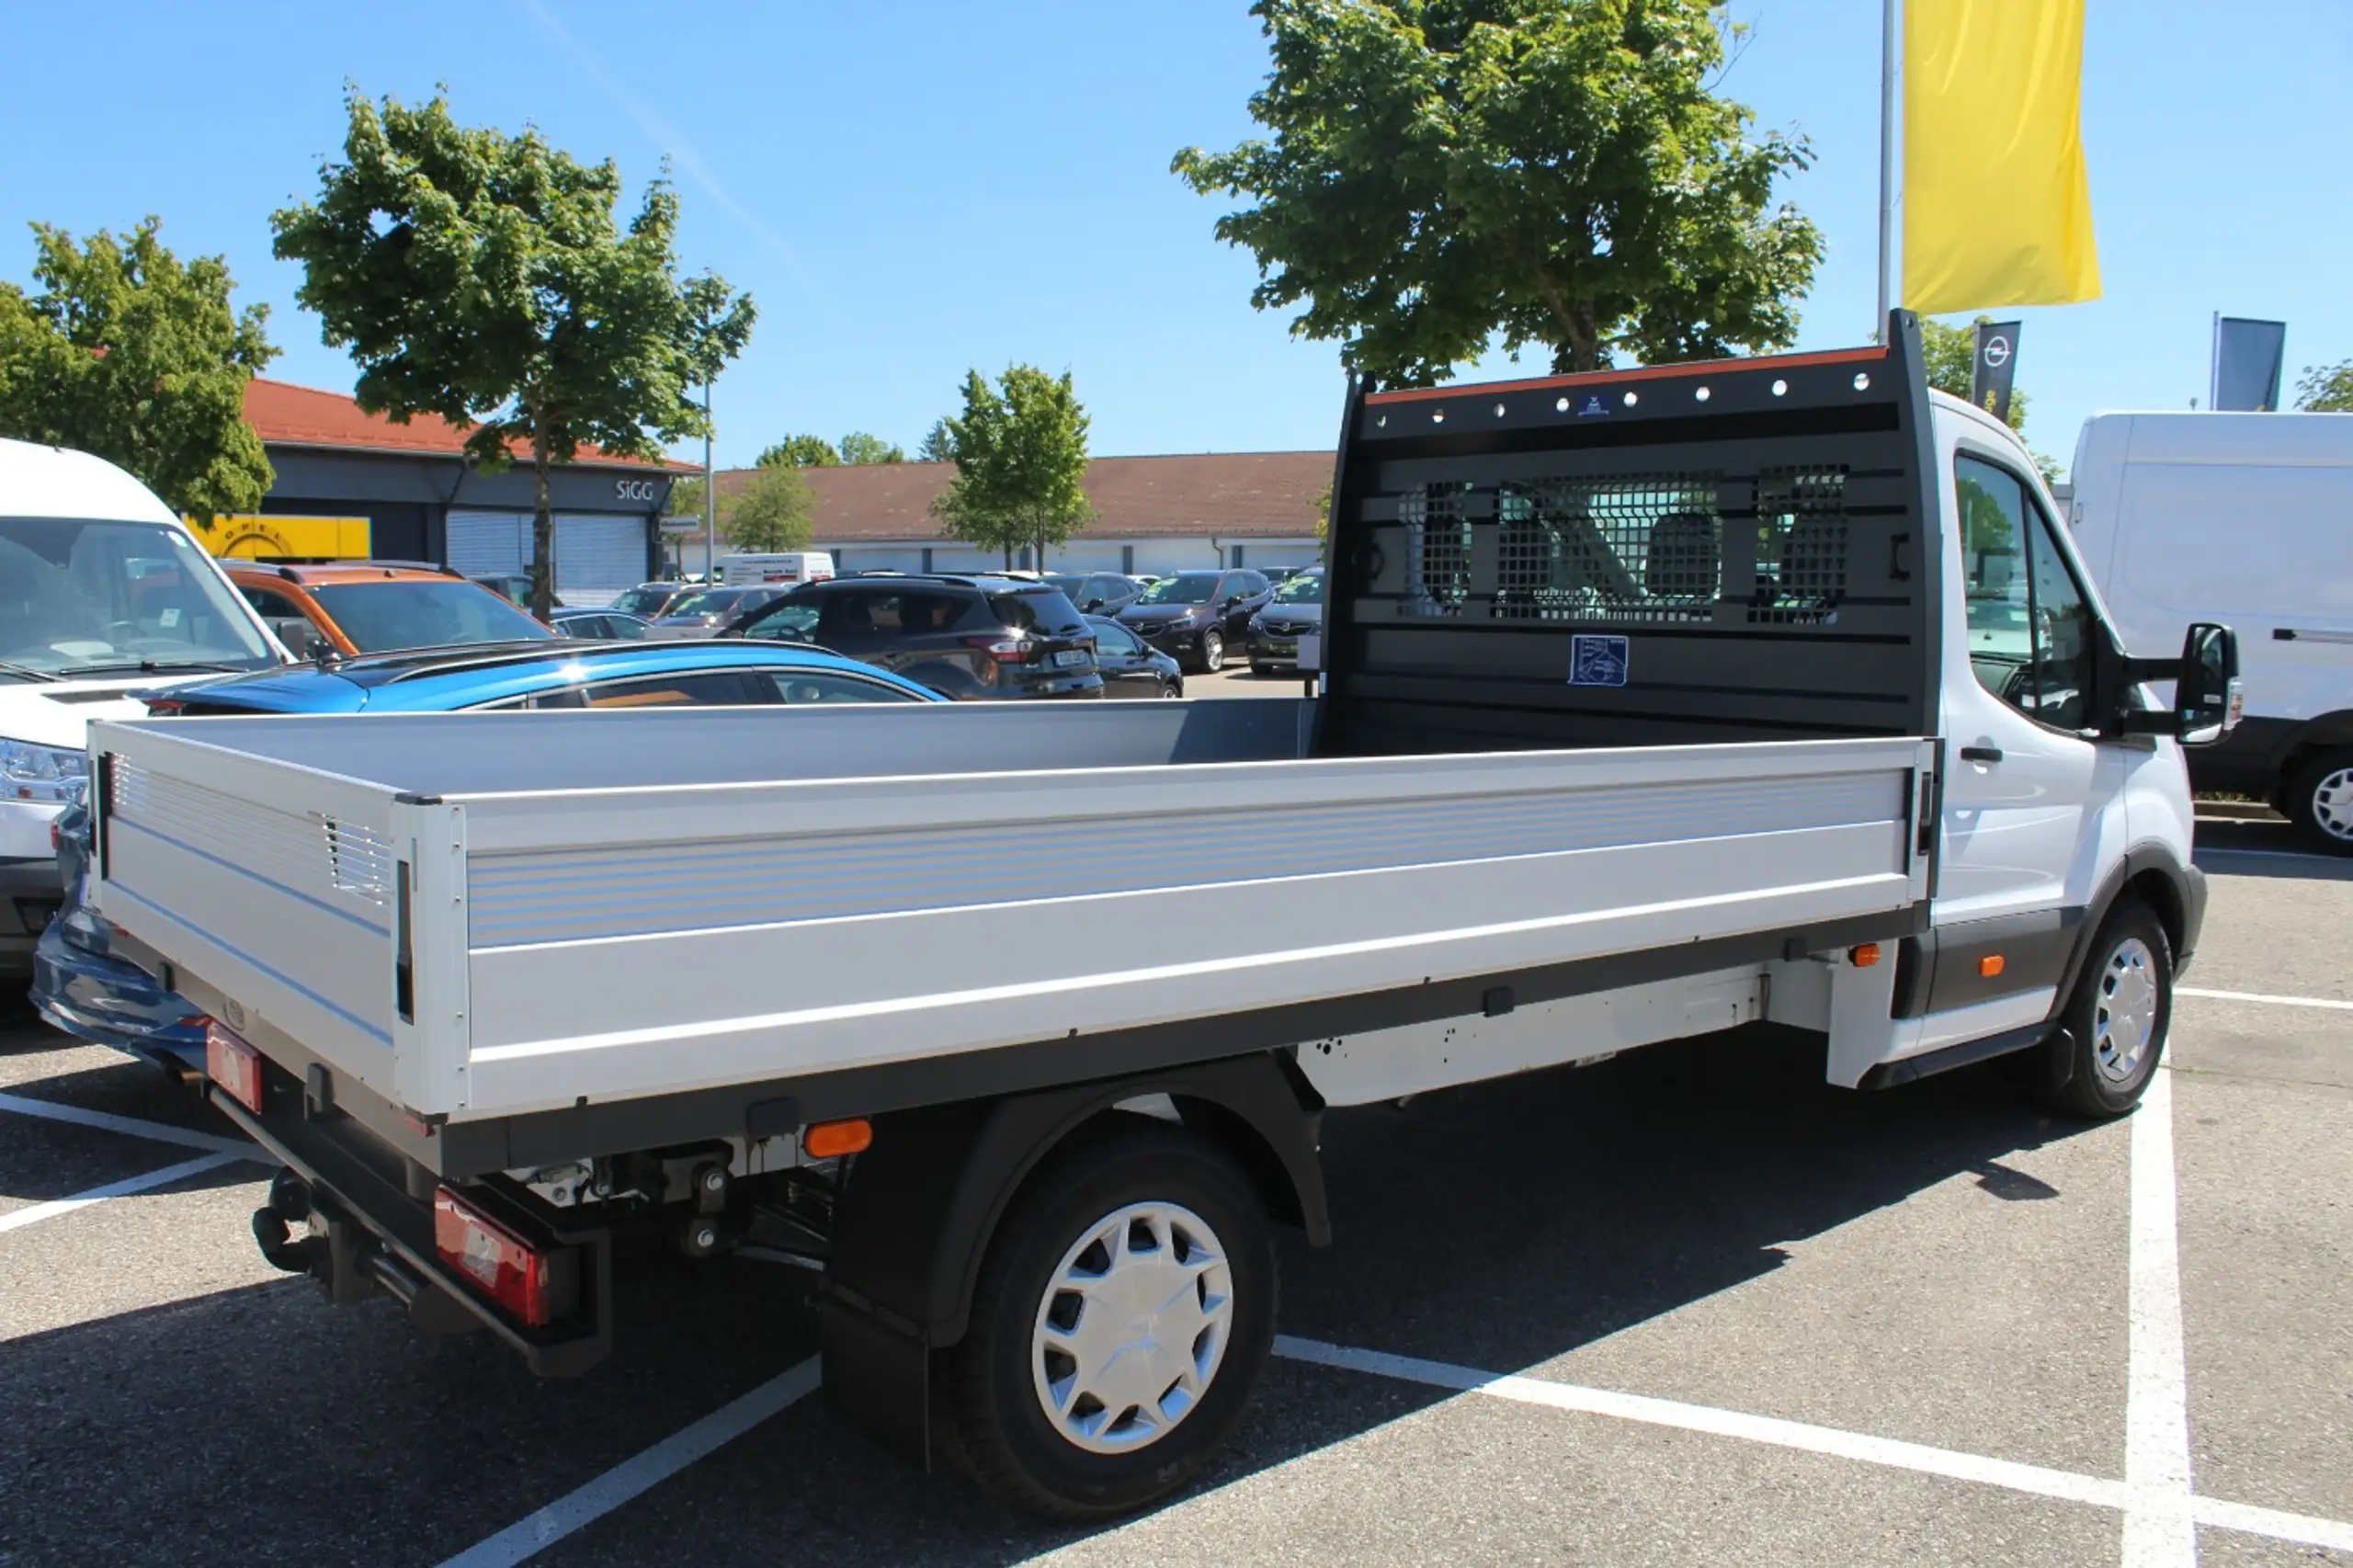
{"x":253,"y":538}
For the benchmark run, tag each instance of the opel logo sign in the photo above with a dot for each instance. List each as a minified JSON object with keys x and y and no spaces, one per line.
{"x":637,"y":489}
{"x":1997,"y":351}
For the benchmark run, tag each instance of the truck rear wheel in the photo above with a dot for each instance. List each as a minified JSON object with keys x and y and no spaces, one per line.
{"x":2319,"y":800}
{"x":2115,"y":1021}
{"x":1123,"y":1315}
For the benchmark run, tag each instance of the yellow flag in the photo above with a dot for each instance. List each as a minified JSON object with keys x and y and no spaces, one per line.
{"x":1997,"y":207}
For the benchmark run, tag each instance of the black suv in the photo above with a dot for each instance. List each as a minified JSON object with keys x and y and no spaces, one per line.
{"x":1195,"y":616}
{"x":967,"y":637}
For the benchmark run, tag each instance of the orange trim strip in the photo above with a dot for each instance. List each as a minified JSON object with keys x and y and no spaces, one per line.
{"x":1640,"y":373}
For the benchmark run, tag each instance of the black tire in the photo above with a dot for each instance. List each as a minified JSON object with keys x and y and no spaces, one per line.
{"x":1212,"y":656}
{"x":1262,"y":671}
{"x":2130,"y":938}
{"x":2318,"y":799}
{"x":1001,"y":1432}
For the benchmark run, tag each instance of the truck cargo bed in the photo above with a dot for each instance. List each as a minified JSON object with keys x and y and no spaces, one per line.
{"x":489,"y":917}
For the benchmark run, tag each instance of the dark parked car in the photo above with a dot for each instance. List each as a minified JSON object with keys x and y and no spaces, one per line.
{"x":1132,"y":667}
{"x":1295,"y":611}
{"x":1195,"y":616}
{"x":598,"y":625}
{"x":514,"y":587}
{"x":1098,"y":593}
{"x":968,"y":637}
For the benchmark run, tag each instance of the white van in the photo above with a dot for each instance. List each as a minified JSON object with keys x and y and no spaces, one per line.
{"x":103,"y":592}
{"x":2244,"y":519}
{"x":797,"y":566}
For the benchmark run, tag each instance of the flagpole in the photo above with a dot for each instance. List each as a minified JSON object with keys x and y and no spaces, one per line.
{"x":1886,"y":162}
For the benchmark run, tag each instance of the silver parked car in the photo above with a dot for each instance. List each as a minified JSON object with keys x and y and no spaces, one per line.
{"x":702,"y":614}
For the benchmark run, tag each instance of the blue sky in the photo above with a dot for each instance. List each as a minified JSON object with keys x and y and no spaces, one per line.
{"x":911,"y":189}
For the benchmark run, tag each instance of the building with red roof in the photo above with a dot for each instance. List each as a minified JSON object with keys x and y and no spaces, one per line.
{"x":424,"y":501}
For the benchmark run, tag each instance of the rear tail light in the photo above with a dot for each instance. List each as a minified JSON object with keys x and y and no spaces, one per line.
{"x":1008,"y":650}
{"x":495,"y":1258}
{"x":164,"y":707}
{"x":234,"y":1065}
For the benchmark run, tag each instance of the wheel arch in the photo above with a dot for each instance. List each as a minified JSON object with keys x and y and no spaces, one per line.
{"x":922,"y":1204}
{"x":2327,"y":731}
{"x":2155,"y":875}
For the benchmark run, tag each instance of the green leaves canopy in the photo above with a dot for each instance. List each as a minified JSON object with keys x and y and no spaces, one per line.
{"x":128,"y":353}
{"x":2326,"y":389}
{"x":483,"y":278}
{"x":800,"y":452}
{"x":771,"y":512}
{"x":1020,"y":454}
{"x":1555,"y":171}
{"x":858,"y":447}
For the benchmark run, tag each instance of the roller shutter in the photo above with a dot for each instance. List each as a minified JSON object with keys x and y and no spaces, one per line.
{"x":597,"y":557}
{"x":489,"y":544}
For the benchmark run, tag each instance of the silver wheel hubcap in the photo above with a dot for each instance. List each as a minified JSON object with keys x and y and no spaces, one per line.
{"x":2124,"y":1020}
{"x":1213,"y":650}
{"x":1133,"y":1325}
{"x":2333,"y":804}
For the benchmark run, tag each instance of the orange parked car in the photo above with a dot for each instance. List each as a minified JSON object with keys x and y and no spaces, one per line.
{"x":376,"y":606}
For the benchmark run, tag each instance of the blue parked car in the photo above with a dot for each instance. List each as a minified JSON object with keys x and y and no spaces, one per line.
{"x":82,"y":987}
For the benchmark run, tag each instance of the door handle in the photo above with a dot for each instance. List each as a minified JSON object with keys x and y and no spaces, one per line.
{"x":1981,"y":754}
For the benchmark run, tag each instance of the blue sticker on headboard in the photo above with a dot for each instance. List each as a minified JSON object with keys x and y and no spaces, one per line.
{"x":1596,"y":660}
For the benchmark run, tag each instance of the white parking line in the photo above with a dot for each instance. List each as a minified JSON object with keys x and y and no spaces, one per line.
{"x":2204,"y":851}
{"x":2157,"y":1529}
{"x":2036,"y":1480}
{"x":17,"y":1219}
{"x":131,"y":1126}
{"x":2330,"y":1003}
{"x":631,"y":1477}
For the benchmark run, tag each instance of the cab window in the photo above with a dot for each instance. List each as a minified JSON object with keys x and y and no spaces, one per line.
{"x":2030,"y":625}
{"x":793,"y":621}
{"x":285,"y":619}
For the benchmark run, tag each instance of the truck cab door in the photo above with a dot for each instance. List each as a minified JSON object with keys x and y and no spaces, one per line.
{"x":2028,"y":793}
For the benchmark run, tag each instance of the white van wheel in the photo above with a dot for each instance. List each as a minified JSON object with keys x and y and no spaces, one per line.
{"x":2320,"y":800}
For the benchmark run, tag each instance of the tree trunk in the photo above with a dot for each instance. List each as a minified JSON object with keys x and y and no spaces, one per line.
{"x":1576,"y":340}
{"x":542,"y":529}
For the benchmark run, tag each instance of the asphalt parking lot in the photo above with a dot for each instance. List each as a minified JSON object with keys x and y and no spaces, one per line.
{"x":1692,"y":1307}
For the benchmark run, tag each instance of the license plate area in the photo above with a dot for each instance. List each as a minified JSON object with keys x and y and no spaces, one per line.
{"x":234,"y":1065}
{"x":1070,"y":658}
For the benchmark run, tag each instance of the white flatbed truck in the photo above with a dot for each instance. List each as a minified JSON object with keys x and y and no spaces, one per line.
{"x":1654,"y":702}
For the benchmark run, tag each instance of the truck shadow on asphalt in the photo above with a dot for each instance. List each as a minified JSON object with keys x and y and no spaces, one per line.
{"x":1502,"y":1226}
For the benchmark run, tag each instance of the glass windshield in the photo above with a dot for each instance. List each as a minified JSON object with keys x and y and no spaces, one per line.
{"x":710,"y":601}
{"x":646,"y":601}
{"x":379,"y":617}
{"x":77,"y":594}
{"x":1068,"y":584}
{"x":1307,"y":588}
{"x":1187,"y":589}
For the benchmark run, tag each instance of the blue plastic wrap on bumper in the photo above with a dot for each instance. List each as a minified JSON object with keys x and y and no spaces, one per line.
{"x":110,"y":1002}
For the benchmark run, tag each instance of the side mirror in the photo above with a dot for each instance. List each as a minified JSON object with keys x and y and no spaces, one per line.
{"x":1091,"y":606}
{"x":2207,"y":700}
{"x":2207,"y":697}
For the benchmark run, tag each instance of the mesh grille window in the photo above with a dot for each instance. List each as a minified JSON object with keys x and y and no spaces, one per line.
{"x":1637,"y":547}
{"x":1800,"y":545}
{"x":1438,"y":549}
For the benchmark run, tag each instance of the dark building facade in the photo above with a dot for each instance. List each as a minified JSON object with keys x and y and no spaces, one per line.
{"x":425,"y":502}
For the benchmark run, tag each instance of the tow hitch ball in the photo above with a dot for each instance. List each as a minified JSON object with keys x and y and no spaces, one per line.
{"x":289,"y":1202}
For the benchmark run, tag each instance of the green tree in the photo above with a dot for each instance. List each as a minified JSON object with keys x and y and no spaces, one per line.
{"x":483,"y":278}
{"x":1949,"y":355}
{"x":858,"y":447}
{"x":939,"y":446}
{"x":800,"y":452}
{"x":1324,"y":515}
{"x":1553,"y":171}
{"x":2326,"y":389}
{"x":685,"y":499}
{"x":772,"y":512}
{"x":1020,"y":454}
{"x":129,"y":353}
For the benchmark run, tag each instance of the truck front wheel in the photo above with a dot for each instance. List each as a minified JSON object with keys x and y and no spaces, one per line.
{"x":2319,"y":800}
{"x":2115,"y":1021}
{"x":1122,"y":1315}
